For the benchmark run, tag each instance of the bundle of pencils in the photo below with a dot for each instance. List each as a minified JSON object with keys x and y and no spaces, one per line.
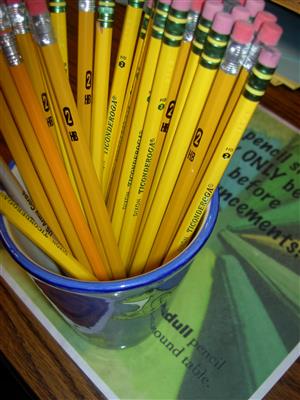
{"x":120,"y":178}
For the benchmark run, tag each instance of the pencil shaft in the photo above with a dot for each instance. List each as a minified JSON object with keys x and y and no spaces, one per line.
{"x":58,"y":12}
{"x":117,"y":93}
{"x":228,"y":143}
{"x":128,"y":109}
{"x":85,"y":53}
{"x":81,"y":154}
{"x":56,"y":165}
{"x":172,"y":38}
{"x":100,"y":95}
{"x":50,"y":246}
{"x":189,"y":172}
{"x":27,"y":167}
{"x":163,"y":133}
{"x":195,"y":102}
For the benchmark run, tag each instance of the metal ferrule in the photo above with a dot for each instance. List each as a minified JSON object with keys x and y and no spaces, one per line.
{"x":86,"y":5}
{"x":258,"y":81}
{"x":19,"y":18}
{"x":234,"y":55}
{"x":4,"y":18}
{"x":57,"y":6}
{"x":106,"y":13}
{"x":252,"y":55}
{"x":136,"y":3}
{"x":175,"y":27}
{"x":42,"y":29}
{"x":10,"y":50}
{"x":190,"y":26}
{"x":159,"y":20}
{"x":214,"y":50}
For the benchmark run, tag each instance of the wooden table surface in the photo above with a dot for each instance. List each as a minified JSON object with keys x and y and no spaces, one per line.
{"x":44,"y":366}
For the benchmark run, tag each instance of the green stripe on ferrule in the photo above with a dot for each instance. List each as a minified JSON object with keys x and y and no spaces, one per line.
{"x":200,"y":35}
{"x":106,"y":13}
{"x":256,"y":85}
{"x":145,"y":24}
{"x":214,"y":50}
{"x":57,"y":6}
{"x":136,"y":3}
{"x":159,"y":20}
{"x":175,"y":27}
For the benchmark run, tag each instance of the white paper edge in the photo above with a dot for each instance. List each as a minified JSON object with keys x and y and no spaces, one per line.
{"x":278,"y":372}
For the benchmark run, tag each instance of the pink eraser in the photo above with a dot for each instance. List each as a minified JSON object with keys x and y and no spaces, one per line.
{"x":222,"y":23}
{"x":240,"y":13}
{"x":269,"y":33}
{"x":269,"y":57}
{"x":197,"y":5}
{"x":242,"y":2}
{"x":211,"y":8}
{"x":149,"y":3}
{"x":36,"y":7}
{"x":254,"y":6}
{"x":263,"y":16}
{"x":10,"y":2}
{"x":242,"y":32}
{"x":182,"y":5}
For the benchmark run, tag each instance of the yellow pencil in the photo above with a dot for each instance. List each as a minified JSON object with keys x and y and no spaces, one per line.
{"x":268,"y":35}
{"x":26,"y":224}
{"x":12,"y":185}
{"x":59,"y":126}
{"x":130,"y":101}
{"x":85,"y":56}
{"x":172,"y":38}
{"x":163,"y":139}
{"x":38,"y":158}
{"x":34,"y":65}
{"x":140,"y":110}
{"x":73,"y":170}
{"x":29,"y":175}
{"x":204,"y":133}
{"x":28,"y":50}
{"x":103,"y":40}
{"x":79,"y":147}
{"x":243,"y":112}
{"x":203,"y":26}
{"x":54,"y":161}
{"x":204,"y":77}
{"x":58,"y":11}
{"x":124,"y":60}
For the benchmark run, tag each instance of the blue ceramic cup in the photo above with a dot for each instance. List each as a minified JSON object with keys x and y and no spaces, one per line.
{"x":114,"y":314}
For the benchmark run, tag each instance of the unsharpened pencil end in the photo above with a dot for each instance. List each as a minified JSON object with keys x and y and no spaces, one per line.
{"x":270,"y":33}
{"x":240,"y":13}
{"x":36,"y":7}
{"x":243,"y":32}
{"x":269,"y":57}
{"x":10,"y":2}
{"x":182,"y":5}
{"x":223,"y":23}
{"x":261,"y":17}
{"x":254,"y":6}
{"x":211,"y":8}
{"x":197,"y":5}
